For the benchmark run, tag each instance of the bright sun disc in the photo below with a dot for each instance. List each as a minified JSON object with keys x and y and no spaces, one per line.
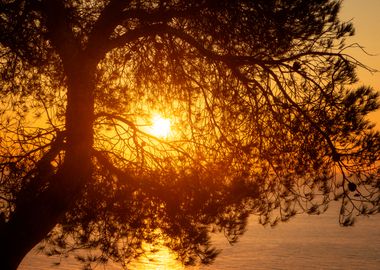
{"x":160,"y":126}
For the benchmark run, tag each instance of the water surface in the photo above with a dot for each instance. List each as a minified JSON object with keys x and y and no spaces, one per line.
{"x":306,"y":242}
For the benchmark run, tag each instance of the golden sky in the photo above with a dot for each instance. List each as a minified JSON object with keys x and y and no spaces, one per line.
{"x":365,"y":15}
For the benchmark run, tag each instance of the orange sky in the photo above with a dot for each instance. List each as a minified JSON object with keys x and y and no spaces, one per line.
{"x":365,"y":15}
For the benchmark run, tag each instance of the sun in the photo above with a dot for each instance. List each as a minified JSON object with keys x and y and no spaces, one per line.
{"x":160,"y":126}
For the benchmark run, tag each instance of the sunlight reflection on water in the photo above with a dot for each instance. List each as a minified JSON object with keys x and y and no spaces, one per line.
{"x":306,"y":242}
{"x":163,"y":259}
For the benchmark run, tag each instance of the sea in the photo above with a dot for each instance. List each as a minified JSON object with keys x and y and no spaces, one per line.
{"x":305,"y":242}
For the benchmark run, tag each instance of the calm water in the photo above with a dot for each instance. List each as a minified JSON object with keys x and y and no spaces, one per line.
{"x":306,"y":242}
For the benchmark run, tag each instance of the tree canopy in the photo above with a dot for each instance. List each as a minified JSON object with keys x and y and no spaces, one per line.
{"x":264,"y":121}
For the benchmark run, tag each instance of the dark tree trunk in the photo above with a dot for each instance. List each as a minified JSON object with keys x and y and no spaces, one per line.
{"x":38,"y":214}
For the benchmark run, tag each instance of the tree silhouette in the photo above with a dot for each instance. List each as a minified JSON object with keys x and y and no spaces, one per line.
{"x":264,"y":122}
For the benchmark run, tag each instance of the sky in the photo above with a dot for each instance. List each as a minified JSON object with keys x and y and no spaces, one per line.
{"x":365,"y":15}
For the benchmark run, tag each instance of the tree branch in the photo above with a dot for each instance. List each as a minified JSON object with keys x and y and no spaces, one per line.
{"x":111,"y":16}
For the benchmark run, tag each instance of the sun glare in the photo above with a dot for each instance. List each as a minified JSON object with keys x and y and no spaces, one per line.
{"x":160,"y":127}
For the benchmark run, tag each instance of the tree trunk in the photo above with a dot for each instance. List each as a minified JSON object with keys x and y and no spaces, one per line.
{"x":37,"y":215}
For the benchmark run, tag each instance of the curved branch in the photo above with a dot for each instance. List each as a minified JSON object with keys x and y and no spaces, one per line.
{"x":110,"y":17}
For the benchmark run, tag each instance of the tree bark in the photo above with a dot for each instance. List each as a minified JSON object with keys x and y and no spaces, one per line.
{"x":37,"y":215}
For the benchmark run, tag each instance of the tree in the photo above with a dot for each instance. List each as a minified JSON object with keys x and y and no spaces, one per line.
{"x":264,"y":120}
